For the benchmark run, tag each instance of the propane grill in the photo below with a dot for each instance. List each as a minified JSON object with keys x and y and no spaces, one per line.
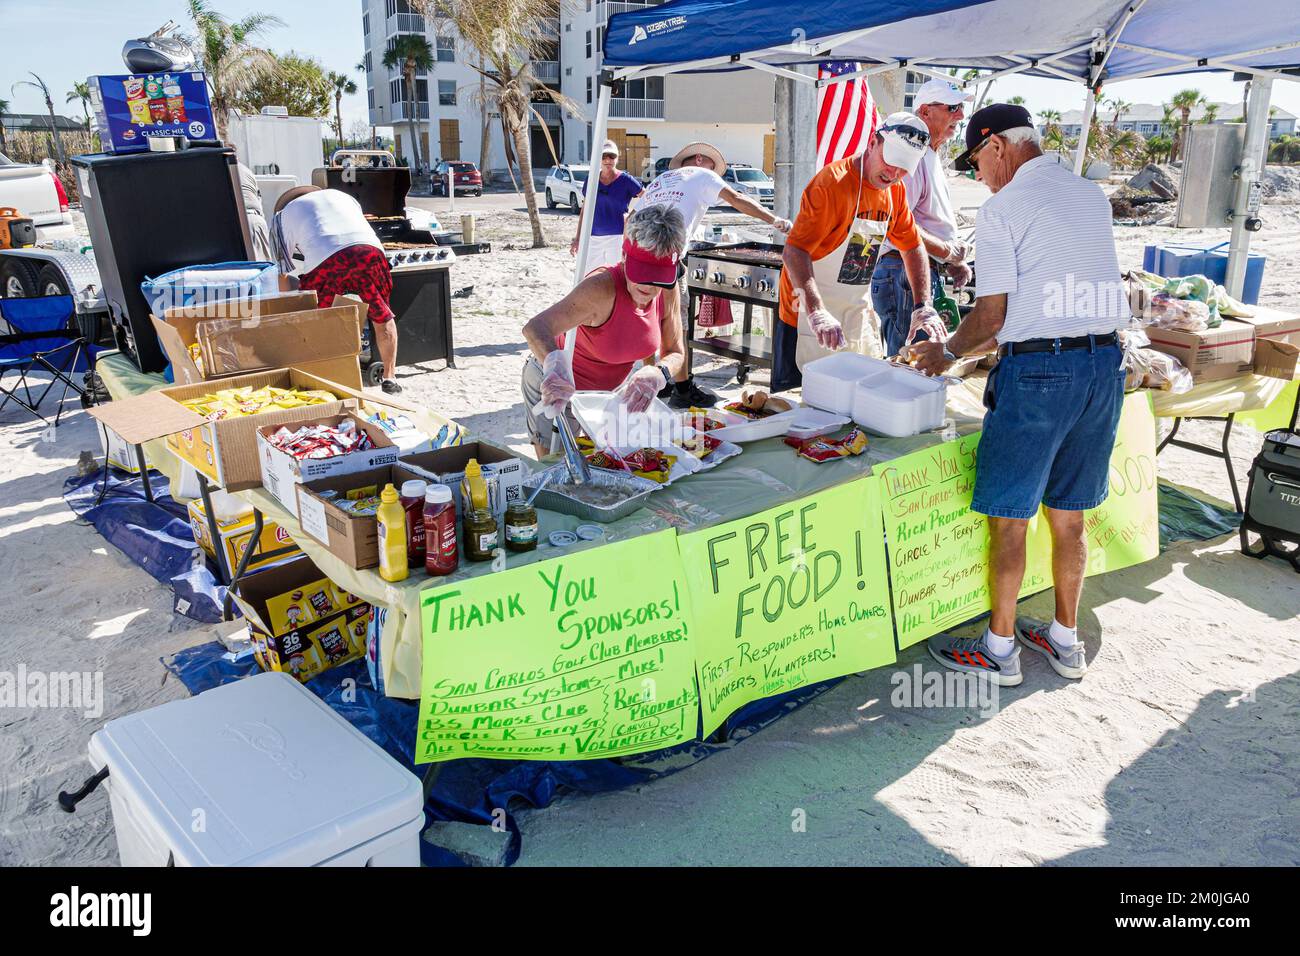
{"x":748,"y":273}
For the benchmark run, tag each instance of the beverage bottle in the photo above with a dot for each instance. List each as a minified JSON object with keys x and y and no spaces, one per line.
{"x":413,"y":504}
{"x":392,"y":535}
{"x":440,"y":546}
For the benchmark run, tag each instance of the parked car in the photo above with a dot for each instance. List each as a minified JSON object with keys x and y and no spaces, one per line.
{"x":651,"y":171}
{"x":466,"y":175}
{"x":751,"y":182}
{"x":565,"y":186}
{"x":35,"y":191}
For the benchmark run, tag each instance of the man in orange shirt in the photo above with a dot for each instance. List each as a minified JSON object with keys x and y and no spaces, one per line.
{"x":847,"y":211}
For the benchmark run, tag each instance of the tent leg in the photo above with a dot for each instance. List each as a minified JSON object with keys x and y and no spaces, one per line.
{"x":1089,"y":105}
{"x":1254,"y":156}
{"x":598,"y":133}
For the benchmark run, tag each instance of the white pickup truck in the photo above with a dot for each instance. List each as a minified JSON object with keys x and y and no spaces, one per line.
{"x":37,"y":194}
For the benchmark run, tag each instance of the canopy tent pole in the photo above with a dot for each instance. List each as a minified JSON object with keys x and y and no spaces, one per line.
{"x":1254,"y":155}
{"x":1089,"y":104}
{"x":598,"y":133}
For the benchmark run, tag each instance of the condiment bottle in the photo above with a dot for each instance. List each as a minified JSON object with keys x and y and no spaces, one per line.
{"x":392,"y":535}
{"x":440,"y":545}
{"x":477,"y":486}
{"x":480,"y":534}
{"x":521,"y":527}
{"x":413,"y":504}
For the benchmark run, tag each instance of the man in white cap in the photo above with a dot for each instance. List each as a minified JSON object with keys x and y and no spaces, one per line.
{"x":846,"y":213}
{"x":941,"y":106}
{"x":692,"y":183}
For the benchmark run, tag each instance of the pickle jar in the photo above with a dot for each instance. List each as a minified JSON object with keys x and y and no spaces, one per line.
{"x":480,"y":535}
{"x":521,"y":527}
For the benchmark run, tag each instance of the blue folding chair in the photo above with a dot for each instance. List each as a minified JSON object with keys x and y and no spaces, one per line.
{"x":40,"y":335}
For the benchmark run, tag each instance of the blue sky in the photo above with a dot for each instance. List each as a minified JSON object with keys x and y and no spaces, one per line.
{"x":67,"y":40}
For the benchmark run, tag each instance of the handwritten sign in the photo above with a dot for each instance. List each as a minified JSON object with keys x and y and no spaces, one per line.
{"x":1125,"y":529}
{"x":580,"y":657}
{"x":788,"y":597}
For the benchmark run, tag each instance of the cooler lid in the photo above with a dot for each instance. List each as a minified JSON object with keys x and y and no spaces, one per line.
{"x":279,"y":778}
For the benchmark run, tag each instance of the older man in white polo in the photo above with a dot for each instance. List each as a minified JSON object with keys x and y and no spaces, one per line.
{"x":1053,"y":401}
{"x":941,"y":106}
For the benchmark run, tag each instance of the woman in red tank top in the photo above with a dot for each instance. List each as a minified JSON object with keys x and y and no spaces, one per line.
{"x":620,"y":315}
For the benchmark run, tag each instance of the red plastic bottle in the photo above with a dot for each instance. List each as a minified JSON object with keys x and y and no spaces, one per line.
{"x":412,"y":500}
{"x":440,"y":545}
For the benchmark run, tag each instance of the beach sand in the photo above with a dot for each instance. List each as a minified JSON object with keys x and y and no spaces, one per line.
{"x":1179,"y":747}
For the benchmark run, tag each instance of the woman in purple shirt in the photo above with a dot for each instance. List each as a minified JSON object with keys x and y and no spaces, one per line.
{"x":614,"y":192}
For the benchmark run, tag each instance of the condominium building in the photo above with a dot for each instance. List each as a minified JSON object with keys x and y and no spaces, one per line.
{"x":1147,"y":119}
{"x":649,"y":119}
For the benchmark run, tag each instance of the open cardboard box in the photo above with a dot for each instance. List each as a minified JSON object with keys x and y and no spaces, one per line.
{"x":281,"y":472}
{"x":1212,"y":355}
{"x":353,"y":539}
{"x":279,"y":331}
{"x":225,"y":451}
{"x":503,"y":471}
{"x":1277,"y":341}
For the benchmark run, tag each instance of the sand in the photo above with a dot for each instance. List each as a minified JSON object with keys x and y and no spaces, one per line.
{"x":1178,"y":748}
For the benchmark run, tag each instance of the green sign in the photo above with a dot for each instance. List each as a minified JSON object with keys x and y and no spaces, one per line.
{"x":580,"y":657}
{"x":1125,"y":529}
{"x":788,"y":597}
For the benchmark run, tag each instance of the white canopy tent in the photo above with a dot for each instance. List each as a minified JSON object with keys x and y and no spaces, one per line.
{"x":1085,"y":41}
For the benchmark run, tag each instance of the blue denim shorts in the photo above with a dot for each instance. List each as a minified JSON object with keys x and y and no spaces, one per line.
{"x":1049,"y":431}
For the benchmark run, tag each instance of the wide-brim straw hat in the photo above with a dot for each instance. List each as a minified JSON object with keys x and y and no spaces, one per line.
{"x":693,"y":149}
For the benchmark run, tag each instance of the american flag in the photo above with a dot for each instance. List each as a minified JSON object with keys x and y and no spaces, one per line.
{"x":846,"y":115}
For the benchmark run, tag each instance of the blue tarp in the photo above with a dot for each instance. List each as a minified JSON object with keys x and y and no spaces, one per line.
{"x":986,"y":34}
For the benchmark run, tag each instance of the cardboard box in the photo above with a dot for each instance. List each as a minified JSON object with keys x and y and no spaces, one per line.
{"x":281,"y":472}
{"x":353,"y":539}
{"x":333,"y":632}
{"x":1214,"y":354}
{"x":236,"y":535}
{"x":1277,"y":341}
{"x":503,"y":471}
{"x":279,"y":331}
{"x":225,"y":451}
{"x":120,"y":453}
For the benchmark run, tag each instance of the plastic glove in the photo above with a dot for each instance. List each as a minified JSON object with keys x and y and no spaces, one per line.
{"x":959,"y":273}
{"x":957,"y":251}
{"x":557,"y":384}
{"x":783,"y":226}
{"x":641,"y":388}
{"x":926,"y":319}
{"x":827,"y":329}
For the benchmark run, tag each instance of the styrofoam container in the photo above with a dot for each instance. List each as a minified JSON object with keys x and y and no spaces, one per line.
{"x":258,"y":772}
{"x":828,"y":382}
{"x":898,"y":401}
{"x":808,"y":422}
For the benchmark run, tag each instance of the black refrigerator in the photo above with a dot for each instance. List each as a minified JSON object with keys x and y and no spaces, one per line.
{"x":150,"y":213}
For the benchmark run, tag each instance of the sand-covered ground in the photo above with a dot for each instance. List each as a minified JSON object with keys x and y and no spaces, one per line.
{"x":1178,"y":748}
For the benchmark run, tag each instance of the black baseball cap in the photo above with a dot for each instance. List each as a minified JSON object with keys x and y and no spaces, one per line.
{"x":994,"y":118}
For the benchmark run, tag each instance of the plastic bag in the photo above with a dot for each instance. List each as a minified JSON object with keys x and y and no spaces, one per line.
{"x":1168,"y":312}
{"x":1147,"y":368}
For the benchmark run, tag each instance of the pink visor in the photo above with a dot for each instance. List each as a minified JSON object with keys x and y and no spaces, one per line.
{"x":643,"y":266}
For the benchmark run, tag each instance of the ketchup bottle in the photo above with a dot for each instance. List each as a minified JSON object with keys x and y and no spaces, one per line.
{"x":440,"y":546}
{"x":412,"y":499}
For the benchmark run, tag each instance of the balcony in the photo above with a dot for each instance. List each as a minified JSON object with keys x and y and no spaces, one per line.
{"x":550,"y":27}
{"x":399,"y":111}
{"x":608,"y":8}
{"x":405,"y":23}
{"x":620,"y":108}
{"x":550,"y":113}
{"x":547,"y":71}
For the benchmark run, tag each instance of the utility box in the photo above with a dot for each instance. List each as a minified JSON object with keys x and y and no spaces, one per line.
{"x":273,"y":145}
{"x":1211,"y":156}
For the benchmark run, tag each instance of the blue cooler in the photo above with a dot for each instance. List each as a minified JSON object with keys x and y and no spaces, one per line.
{"x":1176,"y":261}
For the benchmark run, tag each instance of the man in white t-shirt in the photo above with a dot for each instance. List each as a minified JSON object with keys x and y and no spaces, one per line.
{"x":324,"y":243}
{"x":692,"y":183}
{"x":941,"y":106}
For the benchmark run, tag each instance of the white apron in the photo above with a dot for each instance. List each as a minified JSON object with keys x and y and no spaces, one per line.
{"x":844,"y":280}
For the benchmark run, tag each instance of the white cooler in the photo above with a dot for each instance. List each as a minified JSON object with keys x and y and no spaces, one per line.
{"x":259,"y":772}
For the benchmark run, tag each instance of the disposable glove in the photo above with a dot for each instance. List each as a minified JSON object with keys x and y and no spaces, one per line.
{"x":926,"y":319}
{"x":957,"y":251}
{"x":783,"y":225}
{"x":960,"y":274}
{"x":557,"y":384}
{"x":827,"y":329}
{"x":641,"y":388}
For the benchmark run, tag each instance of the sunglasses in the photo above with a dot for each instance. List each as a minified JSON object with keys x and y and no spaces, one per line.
{"x":917,"y":137}
{"x":609,"y":156}
{"x":955,"y":107}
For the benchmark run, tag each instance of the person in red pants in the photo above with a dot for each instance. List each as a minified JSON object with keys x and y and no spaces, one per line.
{"x":324,"y":243}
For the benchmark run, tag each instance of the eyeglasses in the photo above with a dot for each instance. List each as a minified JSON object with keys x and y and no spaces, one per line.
{"x":917,"y":137}
{"x":955,"y":107}
{"x":609,"y":156}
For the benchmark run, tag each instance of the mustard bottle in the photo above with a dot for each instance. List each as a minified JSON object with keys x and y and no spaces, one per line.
{"x":391,"y":517}
{"x":478,"y":492}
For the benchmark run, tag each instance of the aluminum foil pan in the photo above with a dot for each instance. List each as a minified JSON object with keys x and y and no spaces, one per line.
{"x":607,"y":497}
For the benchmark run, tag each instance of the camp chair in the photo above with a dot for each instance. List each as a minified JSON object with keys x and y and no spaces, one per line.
{"x":40,"y":335}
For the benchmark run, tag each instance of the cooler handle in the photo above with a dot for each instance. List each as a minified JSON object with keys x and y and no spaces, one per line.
{"x":1279,"y":480}
{"x":68,"y":801}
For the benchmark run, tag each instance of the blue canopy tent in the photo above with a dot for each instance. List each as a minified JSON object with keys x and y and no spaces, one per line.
{"x":1084,"y":41}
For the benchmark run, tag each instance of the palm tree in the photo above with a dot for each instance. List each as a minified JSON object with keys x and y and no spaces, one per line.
{"x":1125,"y":147}
{"x":1285,"y":149}
{"x":4,"y":108}
{"x":1158,"y":149}
{"x":49,"y":106}
{"x":1016,"y":100}
{"x":1184,"y":102}
{"x":508,"y":37}
{"x":228,"y":55}
{"x":1120,"y":108}
{"x":1210,"y":114}
{"x":343,"y":86}
{"x":81,"y":91}
{"x":412,"y":52}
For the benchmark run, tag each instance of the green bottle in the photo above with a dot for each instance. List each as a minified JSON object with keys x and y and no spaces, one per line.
{"x":947,"y":308}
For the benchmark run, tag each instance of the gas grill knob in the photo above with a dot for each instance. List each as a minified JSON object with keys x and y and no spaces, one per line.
{"x":718,"y":277}
{"x":742,"y":282}
{"x":764,"y":285}
{"x":698,"y":273}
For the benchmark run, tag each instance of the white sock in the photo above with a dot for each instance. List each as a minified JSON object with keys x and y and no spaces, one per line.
{"x":999,"y":646}
{"x":1064,"y":636}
